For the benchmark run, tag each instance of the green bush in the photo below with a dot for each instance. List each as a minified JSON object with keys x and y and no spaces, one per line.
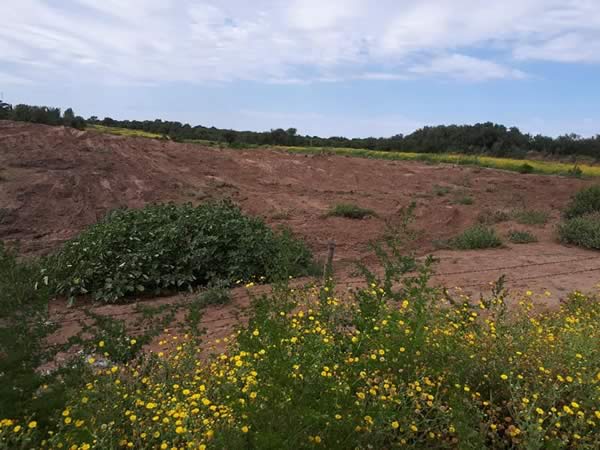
{"x":173,"y":247}
{"x":350,"y":211}
{"x":476,"y":237}
{"x":581,"y":230}
{"x":584,"y":202}
{"x":525,"y":168}
{"x":521,"y":237}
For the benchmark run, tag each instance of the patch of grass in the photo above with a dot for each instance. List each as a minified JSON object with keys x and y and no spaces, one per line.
{"x":350,"y":211}
{"x":584,"y":202}
{"x":521,"y":237}
{"x":124,"y":132}
{"x":583,"y":230}
{"x":510,"y":164}
{"x":463,"y":199}
{"x":281,"y":215}
{"x":530,"y":216}
{"x":492,"y":217}
{"x":163,"y":248}
{"x":441,"y":191}
{"x":215,"y":294}
{"x":475,"y":238}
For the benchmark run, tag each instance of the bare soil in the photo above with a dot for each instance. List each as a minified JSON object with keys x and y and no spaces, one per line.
{"x":55,"y":181}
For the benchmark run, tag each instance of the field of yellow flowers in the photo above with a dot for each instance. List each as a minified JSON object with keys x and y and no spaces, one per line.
{"x":382,"y":366}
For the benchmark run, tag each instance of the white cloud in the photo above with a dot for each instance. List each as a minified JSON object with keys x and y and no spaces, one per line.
{"x":153,"y":41}
{"x":466,"y":68}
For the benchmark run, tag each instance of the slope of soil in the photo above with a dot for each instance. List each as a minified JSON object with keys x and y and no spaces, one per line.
{"x":55,"y":181}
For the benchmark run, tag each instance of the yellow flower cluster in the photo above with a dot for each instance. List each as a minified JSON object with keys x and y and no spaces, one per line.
{"x":311,"y":369}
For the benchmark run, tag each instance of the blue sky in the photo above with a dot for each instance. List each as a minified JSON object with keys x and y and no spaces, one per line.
{"x":326,"y":67}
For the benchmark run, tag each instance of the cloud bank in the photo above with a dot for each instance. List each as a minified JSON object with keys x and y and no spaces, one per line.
{"x":297,"y":41}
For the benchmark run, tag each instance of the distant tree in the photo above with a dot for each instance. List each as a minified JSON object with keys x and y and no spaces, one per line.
{"x":5,"y":110}
{"x":230,"y":136}
{"x":68,"y":117}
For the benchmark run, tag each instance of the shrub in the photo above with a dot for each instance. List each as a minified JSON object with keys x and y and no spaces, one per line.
{"x":525,"y":168}
{"x":521,"y":237}
{"x":530,"y":216}
{"x":172,"y":247}
{"x":350,"y":211}
{"x":584,"y":202}
{"x":476,"y":237}
{"x":581,"y":230}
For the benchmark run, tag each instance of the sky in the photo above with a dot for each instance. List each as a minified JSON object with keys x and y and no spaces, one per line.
{"x":326,"y":67}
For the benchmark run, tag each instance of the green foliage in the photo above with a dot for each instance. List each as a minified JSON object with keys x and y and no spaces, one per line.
{"x":476,"y":237}
{"x":41,"y":114}
{"x":575,"y":172}
{"x":582,"y":230}
{"x":530,"y":216}
{"x":24,"y":327}
{"x":521,"y":237}
{"x":350,"y":211}
{"x":394,"y":363}
{"x":215,"y":294}
{"x":163,"y":248}
{"x":584,"y":202}
{"x":526,"y":168}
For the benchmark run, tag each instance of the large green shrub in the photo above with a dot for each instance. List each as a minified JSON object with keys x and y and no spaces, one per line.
{"x":172,"y":247}
{"x":581,"y":230}
{"x":584,"y":202}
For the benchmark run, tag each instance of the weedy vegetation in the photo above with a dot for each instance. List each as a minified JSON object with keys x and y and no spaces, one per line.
{"x":581,"y":224}
{"x":521,"y":237}
{"x":394,"y":363}
{"x":350,"y":211}
{"x":584,"y":202}
{"x":475,"y":238}
{"x":530,"y":216}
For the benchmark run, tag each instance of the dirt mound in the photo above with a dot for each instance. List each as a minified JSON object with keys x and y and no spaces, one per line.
{"x":54,"y":181}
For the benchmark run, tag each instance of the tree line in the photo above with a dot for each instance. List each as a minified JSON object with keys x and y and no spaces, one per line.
{"x":41,"y":114}
{"x":482,"y":138}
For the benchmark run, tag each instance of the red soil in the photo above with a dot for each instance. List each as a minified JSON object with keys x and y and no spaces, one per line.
{"x":56,"y":181}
